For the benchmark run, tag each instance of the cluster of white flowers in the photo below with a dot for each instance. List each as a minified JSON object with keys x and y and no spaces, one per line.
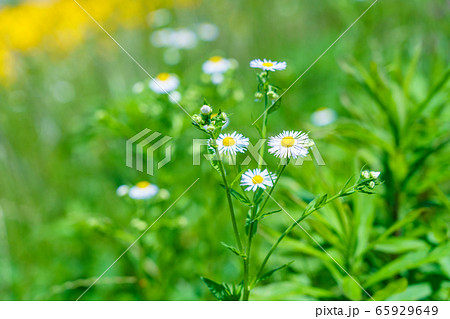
{"x":140,"y":191}
{"x":184,"y":38}
{"x":288,"y":144}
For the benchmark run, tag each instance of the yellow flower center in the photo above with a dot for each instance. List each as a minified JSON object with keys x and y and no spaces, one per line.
{"x":228,"y":141}
{"x":163,"y":76}
{"x":267,"y":64}
{"x":288,"y":141}
{"x":143,"y":184}
{"x":257,"y":179}
{"x":216,"y":59}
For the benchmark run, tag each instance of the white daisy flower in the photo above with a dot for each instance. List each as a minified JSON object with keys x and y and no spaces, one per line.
{"x":323,"y":116}
{"x":257,"y":178}
{"x":289,"y":144}
{"x":232,"y":143}
{"x":216,"y":64}
{"x":268,"y":65}
{"x":164,"y":83}
{"x":143,"y":190}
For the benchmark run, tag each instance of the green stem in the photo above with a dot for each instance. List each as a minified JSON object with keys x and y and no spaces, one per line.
{"x":275,"y":245}
{"x":246,"y":292}
{"x":278,"y":174}
{"x":264,"y":125}
{"x":230,"y":202}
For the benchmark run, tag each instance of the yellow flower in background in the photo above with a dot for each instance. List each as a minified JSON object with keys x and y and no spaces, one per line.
{"x":60,"y":25}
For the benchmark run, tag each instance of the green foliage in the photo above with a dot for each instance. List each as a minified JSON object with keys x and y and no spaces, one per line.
{"x":64,"y":124}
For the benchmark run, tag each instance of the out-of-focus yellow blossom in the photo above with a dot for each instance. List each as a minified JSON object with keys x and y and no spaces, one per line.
{"x":60,"y":25}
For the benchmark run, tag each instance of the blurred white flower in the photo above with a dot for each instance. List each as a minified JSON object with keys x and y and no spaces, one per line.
{"x":374,"y":174}
{"x":138,"y":87}
{"x":217,"y":78}
{"x":183,"y":39}
{"x":257,"y":179}
{"x":323,"y":116}
{"x":175,"y":97}
{"x":289,"y":144}
{"x":122,"y":190}
{"x":162,"y":38}
{"x":143,"y":190}
{"x":216,"y":64}
{"x":164,"y":83}
{"x":268,"y":65}
{"x":207,"y":31}
{"x":232,"y":143}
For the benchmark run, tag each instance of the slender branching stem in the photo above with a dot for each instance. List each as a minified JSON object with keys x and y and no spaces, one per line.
{"x":228,"y":192}
{"x":275,"y":245}
{"x":246,"y":292}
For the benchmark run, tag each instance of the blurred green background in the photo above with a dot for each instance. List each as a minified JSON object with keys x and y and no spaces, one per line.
{"x":68,"y":107}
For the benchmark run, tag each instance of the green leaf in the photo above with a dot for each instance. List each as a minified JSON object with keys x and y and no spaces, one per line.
{"x":270,"y":273}
{"x":351,"y":289}
{"x":267,"y":214}
{"x":258,"y":195}
{"x":400,"y":245}
{"x":345,"y":185}
{"x":240,"y":197}
{"x":238,"y":176}
{"x":409,"y":261}
{"x":220,"y":291}
{"x":320,"y":201}
{"x":274,"y":106}
{"x":232,"y":249}
{"x":392,"y":288}
{"x":248,"y":223}
{"x":413,"y":293}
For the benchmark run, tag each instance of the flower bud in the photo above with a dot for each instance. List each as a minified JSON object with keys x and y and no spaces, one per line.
{"x":372,"y":184}
{"x":210,"y":128}
{"x":272,"y":95}
{"x":206,"y":110}
{"x":223,"y":116}
{"x":374,"y":174}
{"x":365,"y":174}
{"x":197,"y":118}
{"x":258,"y":96}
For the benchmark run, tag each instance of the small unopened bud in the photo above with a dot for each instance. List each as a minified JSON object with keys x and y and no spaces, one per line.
{"x":259,"y":95}
{"x":372,"y":184}
{"x":272,"y":95}
{"x":365,"y":174}
{"x":223,"y":116}
{"x":206,"y":110}
{"x":210,"y":128}
{"x":310,"y":143}
{"x":197,"y":118}
{"x":374,"y":174}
